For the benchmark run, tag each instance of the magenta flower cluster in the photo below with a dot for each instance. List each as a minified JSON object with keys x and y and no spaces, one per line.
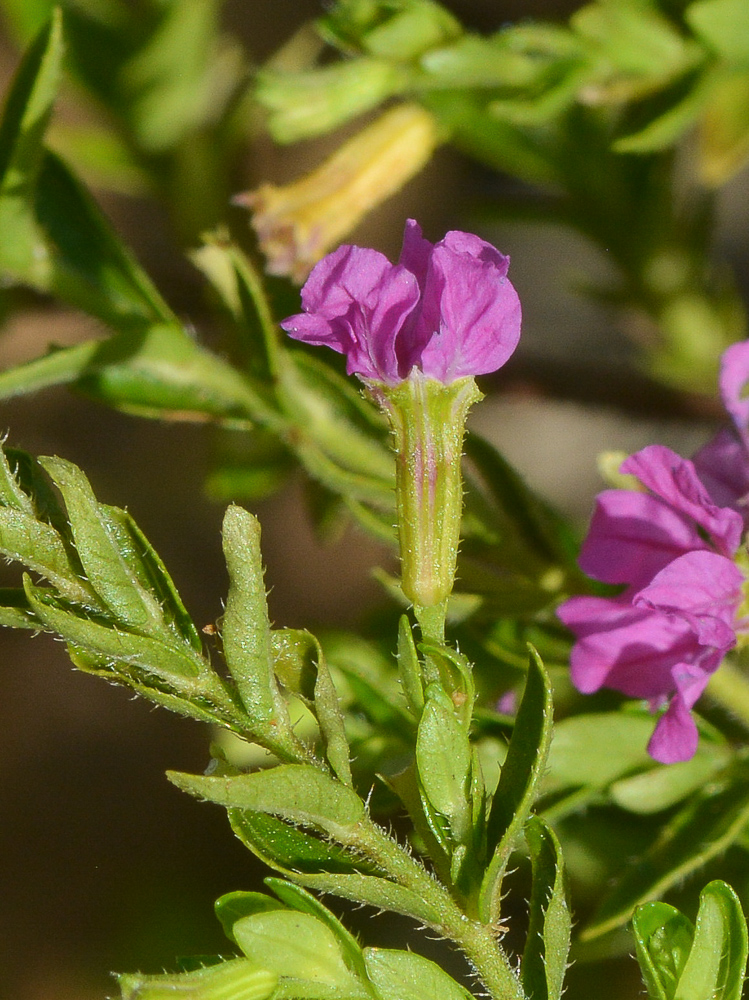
{"x":445,"y":309}
{"x":673,"y":547}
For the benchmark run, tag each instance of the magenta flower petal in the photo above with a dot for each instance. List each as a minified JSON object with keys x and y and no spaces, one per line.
{"x":356,"y":302}
{"x":470,"y":317}
{"x":703,"y":588}
{"x":628,"y":649}
{"x":675,"y":480}
{"x":734,"y":375}
{"x":723,"y":467}
{"x":675,"y":736}
{"x":634,"y":535}
{"x":446,"y":309}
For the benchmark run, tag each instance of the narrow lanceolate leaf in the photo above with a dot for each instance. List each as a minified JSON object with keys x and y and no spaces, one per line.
{"x":409,"y":669}
{"x":297,"y":793}
{"x":170,"y":663}
{"x":153,"y":575}
{"x":104,"y":564}
{"x":247,"y":637}
{"x":339,"y":438}
{"x":241,"y":288}
{"x":39,"y":547}
{"x":300,"y":663}
{"x":443,"y":759}
{"x":716,"y":965}
{"x":545,"y":957}
{"x":15,"y":611}
{"x":708,"y":824}
{"x":326,"y":867}
{"x":27,"y":111}
{"x":518,"y":783}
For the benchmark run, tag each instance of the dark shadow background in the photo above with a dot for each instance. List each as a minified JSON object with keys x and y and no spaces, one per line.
{"x":104,"y":865}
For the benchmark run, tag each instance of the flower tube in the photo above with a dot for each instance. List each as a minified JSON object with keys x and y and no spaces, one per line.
{"x":416,"y":333}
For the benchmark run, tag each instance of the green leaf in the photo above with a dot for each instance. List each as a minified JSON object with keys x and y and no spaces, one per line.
{"x":299,"y":899}
{"x":402,"y":975}
{"x":606,"y":751}
{"x":102,"y":559}
{"x":301,"y":105}
{"x":176,"y":665}
{"x":161,"y":373}
{"x":233,"y":906}
{"x":153,"y":575}
{"x":292,"y":851}
{"x":241,"y":289}
{"x":297,"y":793}
{"x":90,"y":266}
{"x":326,"y":867}
{"x":544,"y":960}
{"x":716,"y":965}
{"x":297,"y":946}
{"x":247,"y":637}
{"x":667,"y":115}
{"x":339,"y":437}
{"x":27,"y":17}
{"x":702,"y":829}
{"x":663,"y":939}
{"x":724,"y":26}
{"x":26,"y":115}
{"x":15,"y":611}
{"x":443,"y":758}
{"x":409,"y":668}
{"x":300,"y":664}
{"x":518,"y":783}
{"x":172,"y":80}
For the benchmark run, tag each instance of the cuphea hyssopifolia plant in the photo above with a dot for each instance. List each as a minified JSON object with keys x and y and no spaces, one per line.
{"x":675,"y":541}
{"x":415,"y":333}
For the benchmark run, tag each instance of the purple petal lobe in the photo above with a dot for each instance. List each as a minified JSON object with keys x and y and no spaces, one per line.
{"x":675,"y":480}
{"x":703,"y":588}
{"x":628,"y":649}
{"x":470,"y":317}
{"x":675,"y":736}
{"x":723,"y":467}
{"x":634,"y":535}
{"x":356,"y":302}
{"x":734,"y":374}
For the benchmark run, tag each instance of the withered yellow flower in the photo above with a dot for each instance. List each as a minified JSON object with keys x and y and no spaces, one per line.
{"x":299,"y":223}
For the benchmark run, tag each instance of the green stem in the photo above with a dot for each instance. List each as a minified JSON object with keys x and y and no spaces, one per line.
{"x":729,"y":687}
{"x":475,"y":939}
{"x":432,"y":622}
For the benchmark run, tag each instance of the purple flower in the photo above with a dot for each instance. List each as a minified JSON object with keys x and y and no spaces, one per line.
{"x":723,"y":463}
{"x":446,"y":309}
{"x":672,"y":546}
